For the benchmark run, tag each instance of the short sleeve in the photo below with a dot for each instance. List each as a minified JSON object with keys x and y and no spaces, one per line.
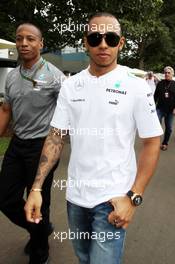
{"x":6,"y":94}
{"x":145,"y":114}
{"x":60,"y":118}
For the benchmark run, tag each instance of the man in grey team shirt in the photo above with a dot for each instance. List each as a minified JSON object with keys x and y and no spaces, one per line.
{"x":30,"y":99}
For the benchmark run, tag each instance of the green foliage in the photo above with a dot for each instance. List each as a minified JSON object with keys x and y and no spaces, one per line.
{"x":147,"y":25}
{"x":4,"y":142}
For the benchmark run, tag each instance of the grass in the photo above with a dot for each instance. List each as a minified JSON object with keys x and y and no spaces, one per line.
{"x":4,"y":141}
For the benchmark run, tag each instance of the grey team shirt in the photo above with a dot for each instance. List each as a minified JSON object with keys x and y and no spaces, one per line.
{"x":33,"y":107}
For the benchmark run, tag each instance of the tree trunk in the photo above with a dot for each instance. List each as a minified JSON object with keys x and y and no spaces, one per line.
{"x":141,"y":63}
{"x":141,"y":55}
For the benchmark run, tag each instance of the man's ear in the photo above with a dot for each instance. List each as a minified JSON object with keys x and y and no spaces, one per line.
{"x":85,"y":46}
{"x":41,"y":43}
{"x":121,"y":43}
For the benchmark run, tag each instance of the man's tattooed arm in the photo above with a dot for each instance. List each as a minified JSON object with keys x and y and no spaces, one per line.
{"x":50,"y":154}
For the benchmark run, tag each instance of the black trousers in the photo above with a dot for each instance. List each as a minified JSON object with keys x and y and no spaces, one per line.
{"x":17,"y":174}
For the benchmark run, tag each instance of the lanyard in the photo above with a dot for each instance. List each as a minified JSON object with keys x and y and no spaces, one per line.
{"x":30,"y":79}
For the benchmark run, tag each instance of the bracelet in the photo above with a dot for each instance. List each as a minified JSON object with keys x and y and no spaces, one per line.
{"x":36,"y":190}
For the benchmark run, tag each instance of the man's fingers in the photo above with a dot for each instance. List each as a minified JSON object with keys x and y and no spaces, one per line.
{"x":33,"y":207}
{"x":115,"y":220}
{"x":111,"y":217}
{"x":29,"y":214}
{"x":125,"y":225}
{"x":120,"y":223}
{"x":33,"y":215}
{"x":37,"y":215}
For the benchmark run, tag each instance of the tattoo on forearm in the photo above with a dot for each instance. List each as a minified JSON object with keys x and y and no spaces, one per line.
{"x":43,"y":159}
{"x":50,"y":154}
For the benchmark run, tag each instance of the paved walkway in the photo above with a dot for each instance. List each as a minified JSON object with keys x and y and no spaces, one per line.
{"x":150,"y":238}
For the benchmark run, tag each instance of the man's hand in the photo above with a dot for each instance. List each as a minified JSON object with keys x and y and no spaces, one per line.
{"x":51,"y":152}
{"x":123,"y":212}
{"x":33,"y":207}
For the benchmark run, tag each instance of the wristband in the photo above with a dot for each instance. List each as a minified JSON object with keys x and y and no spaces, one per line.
{"x":36,"y":190}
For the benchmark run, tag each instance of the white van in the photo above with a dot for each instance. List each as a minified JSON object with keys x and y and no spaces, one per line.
{"x":6,"y":65}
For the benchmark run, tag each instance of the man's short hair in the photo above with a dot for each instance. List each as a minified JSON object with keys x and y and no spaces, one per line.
{"x":101,"y":14}
{"x":150,"y":74}
{"x":169,"y":68}
{"x":30,"y":24}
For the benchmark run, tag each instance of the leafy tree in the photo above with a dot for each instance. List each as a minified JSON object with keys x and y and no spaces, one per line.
{"x":147,"y":25}
{"x":142,"y":26}
{"x":141,"y":23}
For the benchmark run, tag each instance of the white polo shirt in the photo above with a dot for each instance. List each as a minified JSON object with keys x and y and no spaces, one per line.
{"x":102,"y":115}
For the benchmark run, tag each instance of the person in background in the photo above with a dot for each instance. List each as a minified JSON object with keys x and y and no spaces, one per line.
{"x":30,"y":98}
{"x":102,"y":106}
{"x":152,"y":81}
{"x":165,"y":103}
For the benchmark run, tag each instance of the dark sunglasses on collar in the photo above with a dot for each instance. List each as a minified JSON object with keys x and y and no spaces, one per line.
{"x":111,"y":38}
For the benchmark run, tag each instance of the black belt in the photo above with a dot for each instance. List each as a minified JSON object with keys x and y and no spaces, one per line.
{"x":28,"y":139}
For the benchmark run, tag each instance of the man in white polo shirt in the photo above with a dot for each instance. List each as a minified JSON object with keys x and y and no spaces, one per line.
{"x":102,"y":107}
